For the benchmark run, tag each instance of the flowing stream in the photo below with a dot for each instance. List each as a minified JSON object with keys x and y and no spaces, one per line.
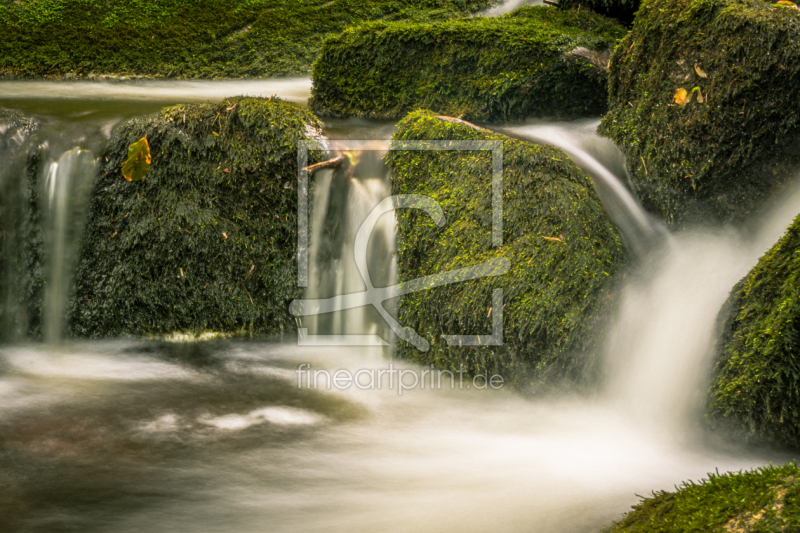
{"x":220,"y":436}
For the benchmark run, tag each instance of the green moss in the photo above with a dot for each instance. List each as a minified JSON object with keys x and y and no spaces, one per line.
{"x":207,"y":240}
{"x":509,"y":67}
{"x":622,"y":10}
{"x":188,"y":38}
{"x":563,"y":249}
{"x":757,"y":384}
{"x":760,"y":501}
{"x":721,"y":158}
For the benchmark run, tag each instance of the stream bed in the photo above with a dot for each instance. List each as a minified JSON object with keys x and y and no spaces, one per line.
{"x":135,"y":435}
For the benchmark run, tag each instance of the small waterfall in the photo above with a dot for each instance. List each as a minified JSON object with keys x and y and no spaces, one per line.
{"x":66,"y":193}
{"x":43,"y":202}
{"x":605,"y":163}
{"x":660,"y":344}
{"x":342,"y":199}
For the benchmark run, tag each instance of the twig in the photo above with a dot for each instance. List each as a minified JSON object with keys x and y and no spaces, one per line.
{"x":330,"y":163}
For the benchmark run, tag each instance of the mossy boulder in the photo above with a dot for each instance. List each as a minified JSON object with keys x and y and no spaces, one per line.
{"x":563,"y":250}
{"x":719,"y":158}
{"x":765,"y":500}
{"x":22,"y":246}
{"x":207,"y":240}
{"x":756,"y":389}
{"x":188,"y":38}
{"x":534,"y":61}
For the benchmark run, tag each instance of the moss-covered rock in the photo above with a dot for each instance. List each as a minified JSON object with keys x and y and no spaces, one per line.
{"x":535,"y":61}
{"x":756,"y":388}
{"x":188,"y":38}
{"x":766,"y":500}
{"x":22,"y":246}
{"x":207,"y":240}
{"x":622,"y":10}
{"x":563,"y":251}
{"x":717,"y":159}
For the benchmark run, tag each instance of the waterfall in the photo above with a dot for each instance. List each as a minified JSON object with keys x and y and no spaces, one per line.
{"x":66,"y":193}
{"x":342,"y":199}
{"x":605,"y":163}
{"x":44,"y":199}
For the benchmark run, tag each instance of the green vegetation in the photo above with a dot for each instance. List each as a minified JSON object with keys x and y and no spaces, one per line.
{"x":761,"y":501}
{"x":563,"y":249}
{"x":21,"y":249}
{"x":207,"y":240}
{"x":622,"y":10}
{"x":535,"y":61}
{"x":188,"y":38}
{"x":718,"y":158}
{"x":756,"y":389}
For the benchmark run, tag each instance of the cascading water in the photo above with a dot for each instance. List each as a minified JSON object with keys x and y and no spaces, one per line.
{"x":342,"y":200}
{"x":605,"y":163}
{"x":131,"y":435}
{"x":67,"y":185}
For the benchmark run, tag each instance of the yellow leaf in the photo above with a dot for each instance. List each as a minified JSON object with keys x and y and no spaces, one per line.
{"x":682,"y":97}
{"x":138,"y":163}
{"x":700,"y":71}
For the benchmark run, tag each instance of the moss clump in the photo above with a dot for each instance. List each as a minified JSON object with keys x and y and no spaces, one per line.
{"x":207,"y":240}
{"x":562,"y":247}
{"x":22,"y":246}
{"x":525,"y":63}
{"x":757,"y":383}
{"x":760,"y":501}
{"x":720,"y":158}
{"x":188,"y":38}
{"x":622,"y":10}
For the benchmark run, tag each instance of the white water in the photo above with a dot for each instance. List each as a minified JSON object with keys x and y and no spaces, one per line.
{"x":605,"y":163}
{"x":67,"y":186}
{"x":508,"y":6}
{"x":133,"y":436}
{"x":295,"y":90}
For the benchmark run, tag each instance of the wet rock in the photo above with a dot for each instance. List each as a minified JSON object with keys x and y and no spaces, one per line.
{"x":563,"y":250}
{"x":21,"y":248}
{"x":756,"y":387}
{"x":207,"y":240}
{"x":519,"y":65}
{"x":718,"y":151}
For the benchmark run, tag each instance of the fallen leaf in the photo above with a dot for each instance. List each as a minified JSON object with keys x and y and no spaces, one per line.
{"x":251,"y":270}
{"x":181,"y":272}
{"x":138,"y":163}
{"x":224,"y":234}
{"x":681,"y":96}
{"x":700,"y":71}
{"x":554,"y":239}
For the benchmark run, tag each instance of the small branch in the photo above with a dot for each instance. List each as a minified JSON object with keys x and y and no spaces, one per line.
{"x":459,"y":121}
{"x":550,"y":2}
{"x":330,"y":163}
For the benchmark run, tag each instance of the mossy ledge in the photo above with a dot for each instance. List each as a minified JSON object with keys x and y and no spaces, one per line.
{"x":715,"y":160}
{"x":563,"y":250}
{"x":534,"y":61}
{"x":765,"y":500}
{"x":756,"y":388}
{"x":207,"y":240}
{"x":188,"y":38}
